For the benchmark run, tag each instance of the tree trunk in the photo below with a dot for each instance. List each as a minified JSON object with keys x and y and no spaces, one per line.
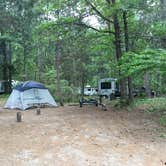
{"x":58,"y":56}
{"x":163,"y":9}
{"x":82,"y":86}
{"x":10,"y":68}
{"x":163,"y":39}
{"x":158,"y":83}
{"x":147,"y":84}
{"x":24,"y":65}
{"x":126,"y":34}
{"x":5,"y":65}
{"x":163,"y":83}
{"x":39,"y":60}
{"x":119,"y":52}
{"x":163,"y":18}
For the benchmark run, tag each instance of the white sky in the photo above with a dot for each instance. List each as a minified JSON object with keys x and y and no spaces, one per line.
{"x":92,"y":21}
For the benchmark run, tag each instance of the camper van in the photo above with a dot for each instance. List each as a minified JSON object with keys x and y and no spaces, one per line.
{"x":107,"y":87}
{"x":89,"y":91}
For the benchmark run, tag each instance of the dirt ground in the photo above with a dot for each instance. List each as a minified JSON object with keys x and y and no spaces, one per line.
{"x":73,"y":136}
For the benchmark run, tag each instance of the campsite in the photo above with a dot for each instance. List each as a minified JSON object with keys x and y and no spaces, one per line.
{"x":72,"y":136}
{"x":83,"y":83}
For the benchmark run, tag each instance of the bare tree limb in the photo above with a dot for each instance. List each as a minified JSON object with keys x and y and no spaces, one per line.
{"x":98,"y":30}
{"x":98,"y":12}
{"x":108,"y":1}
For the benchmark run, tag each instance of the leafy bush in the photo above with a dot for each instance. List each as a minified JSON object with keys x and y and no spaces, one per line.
{"x":69,"y":93}
{"x":163,"y":120}
{"x":3,"y":98}
{"x":157,"y":106}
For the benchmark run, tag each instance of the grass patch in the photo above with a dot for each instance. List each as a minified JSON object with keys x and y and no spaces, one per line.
{"x":3,"y":98}
{"x":120,"y":105}
{"x":163,"y":135}
{"x":162,"y":120}
{"x":152,"y":105}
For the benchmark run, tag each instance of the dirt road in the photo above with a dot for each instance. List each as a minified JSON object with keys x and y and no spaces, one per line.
{"x":73,"y":136}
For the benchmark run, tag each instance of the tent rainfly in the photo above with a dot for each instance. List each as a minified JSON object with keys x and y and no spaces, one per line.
{"x":29,"y":94}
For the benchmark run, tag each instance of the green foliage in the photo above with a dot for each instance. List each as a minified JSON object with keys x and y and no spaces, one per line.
{"x":69,"y":93}
{"x":156,"y":105}
{"x":163,"y":122}
{"x":3,"y":99}
{"x":49,"y":76}
{"x":163,"y":135}
{"x":148,"y":59}
{"x":120,"y":104}
{"x":153,"y":105}
{"x":159,"y":29}
{"x":3,"y":96}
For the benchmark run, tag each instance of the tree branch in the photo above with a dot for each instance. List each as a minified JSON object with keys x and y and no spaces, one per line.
{"x":108,"y":1}
{"x":95,"y":29}
{"x":98,"y":12}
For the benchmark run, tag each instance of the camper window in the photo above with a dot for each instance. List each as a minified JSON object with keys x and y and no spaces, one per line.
{"x":106,"y":85}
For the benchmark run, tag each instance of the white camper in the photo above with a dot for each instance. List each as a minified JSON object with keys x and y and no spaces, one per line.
{"x":107,"y":87}
{"x":89,"y":91}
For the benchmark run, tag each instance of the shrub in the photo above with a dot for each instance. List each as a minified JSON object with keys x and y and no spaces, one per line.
{"x":157,"y":106}
{"x":69,"y":93}
{"x":163,"y":120}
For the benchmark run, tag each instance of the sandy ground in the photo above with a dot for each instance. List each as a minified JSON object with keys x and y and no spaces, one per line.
{"x":73,"y":136}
